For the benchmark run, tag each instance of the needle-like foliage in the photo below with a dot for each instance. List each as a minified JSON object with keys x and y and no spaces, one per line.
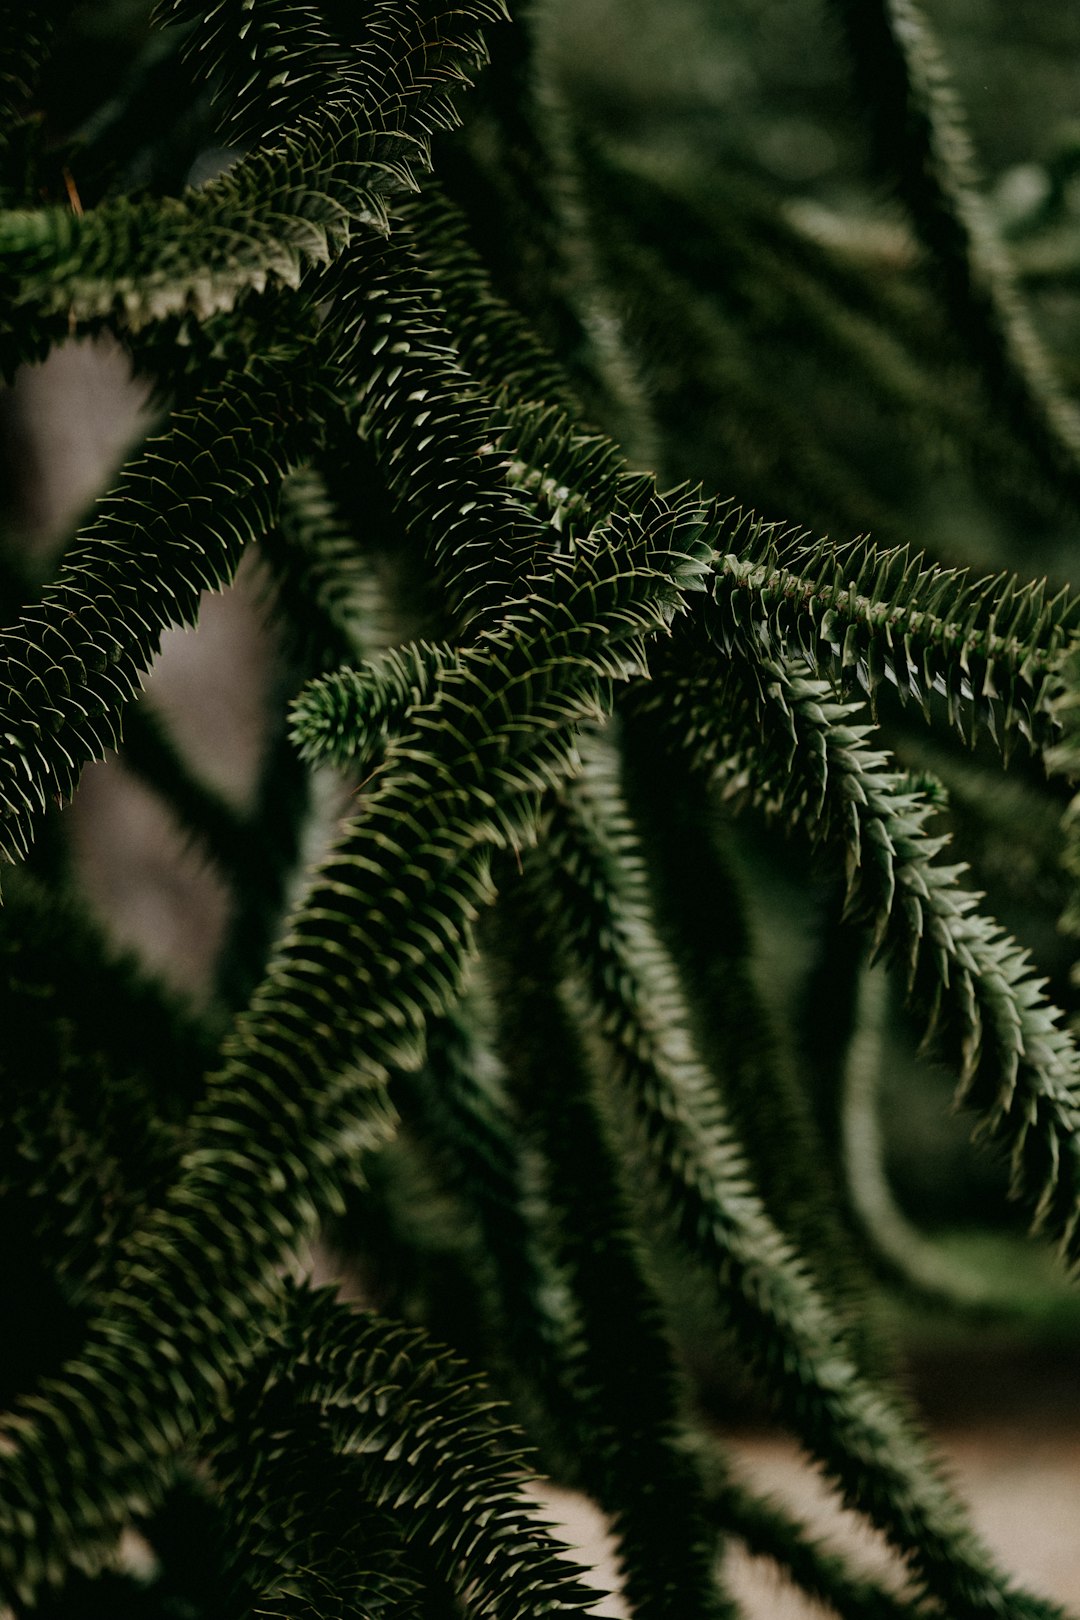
{"x":506,"y":1017}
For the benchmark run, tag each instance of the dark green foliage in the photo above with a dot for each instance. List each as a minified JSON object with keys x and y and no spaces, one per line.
{"x":804,"y":755}
{"x":618,"y":1367}
{"x":922,"y":142}
{"x":767,"y":1531}
{"x":701,"y":914}
{"x":788,"y":1330}
{"x":358,"y":1441}
{"x":988,"y":647}
{"x":424,"y":411}
{"x":175,"y":527}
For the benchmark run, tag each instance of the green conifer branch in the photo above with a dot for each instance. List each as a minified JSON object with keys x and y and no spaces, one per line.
{"x":347,"y":717}
{"x":619,"y":1366}
{"x":768,"y":1530}
{"x":277,"y":212}
{"x":572,"y":474}
{"x":568,"y":462}
{"x":444,"y":450}
{"x":459,"y":1474}
{"x":464,"y":1115}
{"x":378,"y":947}
{"x":1023,"y":614}
{"x":325,"y":597}
{"x":1020,"y":613}
{"x":993,"y":817}
{"x":861,"y":1435}
{"x":433,"y":437}
{"x":175,"y":525}
{"x":226,"y":836}
{"x":327,"y":608}
{"x":1018,"y":1068}
{"x":509,"y":491}
{"x":138,"y":261}
{"x":700,"y":915}
{"x":922,"y":141}
{"x":989,"y":648}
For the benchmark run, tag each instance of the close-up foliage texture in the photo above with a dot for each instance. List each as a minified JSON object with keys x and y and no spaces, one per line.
{"x":654,"y":432}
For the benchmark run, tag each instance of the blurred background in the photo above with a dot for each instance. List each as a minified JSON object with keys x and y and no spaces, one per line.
{"x":781,"y":339}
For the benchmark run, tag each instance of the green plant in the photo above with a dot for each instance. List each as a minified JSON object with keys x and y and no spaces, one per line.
{"x":520,"y":983}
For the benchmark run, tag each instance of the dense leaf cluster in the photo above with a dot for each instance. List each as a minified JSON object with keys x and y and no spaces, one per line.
{"x":521,"y":974}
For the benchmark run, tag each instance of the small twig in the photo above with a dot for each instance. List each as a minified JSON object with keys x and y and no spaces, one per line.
{"x":72,"y":191}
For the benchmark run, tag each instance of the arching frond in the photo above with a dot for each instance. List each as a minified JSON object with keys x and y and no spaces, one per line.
{"x":459,"y":1104}
{"x":139,"y":261}
{"x":1018,"y":1067}
{"x":365,"y":962}
{"x":767,"y":1530}
{"x":923,"y":143}
{"x":276,"y":212}
{"x":619,"y":1367}
{"x":862,"y":1436}
{"x":347,"y":717}
{"x":986,"y":647}
{"x":877,"y":619}
{"x":460,"y":1478}
{"x":436,"y":441}
{"x":175,"y":526}
{"x":467,"y":582}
